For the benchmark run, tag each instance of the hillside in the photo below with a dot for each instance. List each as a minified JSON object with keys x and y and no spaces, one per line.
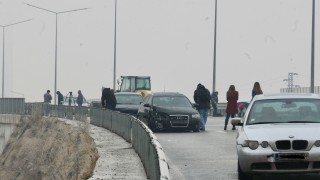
{"x":46,"y":148}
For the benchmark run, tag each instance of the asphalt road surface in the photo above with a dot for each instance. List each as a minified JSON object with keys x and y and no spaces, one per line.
{"x":210,"y":154}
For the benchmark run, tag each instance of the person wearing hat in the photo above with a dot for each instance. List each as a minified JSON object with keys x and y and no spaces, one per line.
{"x":202,"y":98}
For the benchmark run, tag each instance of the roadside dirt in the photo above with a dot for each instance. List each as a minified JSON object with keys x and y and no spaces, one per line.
{"x":47,"y":149}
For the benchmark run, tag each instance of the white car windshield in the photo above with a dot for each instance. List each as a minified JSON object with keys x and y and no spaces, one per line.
{"x":284,"y":111}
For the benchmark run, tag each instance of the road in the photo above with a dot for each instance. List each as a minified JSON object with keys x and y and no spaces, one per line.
{"x":207,"y":155}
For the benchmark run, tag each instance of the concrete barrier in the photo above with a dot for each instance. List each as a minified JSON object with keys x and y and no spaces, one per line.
{"x":7,"y":124}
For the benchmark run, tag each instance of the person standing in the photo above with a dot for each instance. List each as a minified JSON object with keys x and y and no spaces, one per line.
{"x":60,"y":98}
{"x":80,"y":98}
{"x":47,"y":100}
{"x":108,"y":99}
{"x":214,"y":102}
{"x":256,"y":90}
{"x":202,"y":98}
{"x":70,"y":99}
{"x":47,"y":97}
{"x":232,"y":107}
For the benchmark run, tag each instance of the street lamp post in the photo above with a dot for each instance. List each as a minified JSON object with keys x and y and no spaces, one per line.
{"x":115,"y":46}
{"x":56,"y":43}
{"x":214,"y":49}
{"x":312,"y":49}
{"x":3,"y":51}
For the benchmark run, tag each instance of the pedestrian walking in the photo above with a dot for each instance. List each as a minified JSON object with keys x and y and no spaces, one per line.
{"x":214,"y":102}
{"x":232,"y":107}
{"x":256,"y":90}
{"x":108,"y":99}
{"x":202,"y":98}
{"x":80,"y":98}
{"x":60,"y":98}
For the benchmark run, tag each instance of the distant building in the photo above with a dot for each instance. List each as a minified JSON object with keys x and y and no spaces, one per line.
{"x":300,"y":90}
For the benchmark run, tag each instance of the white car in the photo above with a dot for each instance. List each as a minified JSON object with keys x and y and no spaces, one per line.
{"x":279,"y":134}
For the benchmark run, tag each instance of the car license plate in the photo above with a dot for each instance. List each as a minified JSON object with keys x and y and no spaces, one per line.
{"x":290,"y":156}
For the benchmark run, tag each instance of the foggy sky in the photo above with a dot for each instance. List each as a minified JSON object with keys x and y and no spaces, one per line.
{"x":169,"y":40}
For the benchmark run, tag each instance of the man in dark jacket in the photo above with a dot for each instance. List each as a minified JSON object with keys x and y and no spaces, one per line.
{"x":108,"y":99}
{"x":80,"y":98}
{"x":202,"y":97}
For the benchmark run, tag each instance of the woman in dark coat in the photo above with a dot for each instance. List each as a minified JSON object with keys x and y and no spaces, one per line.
{"x":232,"y":107}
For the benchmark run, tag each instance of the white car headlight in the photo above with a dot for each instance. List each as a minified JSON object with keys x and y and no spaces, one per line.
{"x":251,"y":144}
{"x":317,"y":143}
{"x":264,"y":144}
{"x":195,"y":115}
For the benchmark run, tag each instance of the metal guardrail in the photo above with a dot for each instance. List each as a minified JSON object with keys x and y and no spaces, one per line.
{"x":121,"y":125}
{"x":12,"y":105}
{"x":221,"y":109}
{"x":151,"y":153}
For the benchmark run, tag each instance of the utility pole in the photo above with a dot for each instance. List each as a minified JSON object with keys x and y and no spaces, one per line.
{"x":56,"y":43}
{"x":290,"y":82}
{"x":312,"y":48}
{"x":214,"y":49}
{"x":3,"y":51}
{"x":115,"y":46}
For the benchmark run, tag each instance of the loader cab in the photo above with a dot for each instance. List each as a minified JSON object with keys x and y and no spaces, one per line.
{"x":139,"y":84}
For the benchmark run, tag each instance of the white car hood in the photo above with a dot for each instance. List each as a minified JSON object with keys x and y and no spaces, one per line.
{"x":282,"y":131}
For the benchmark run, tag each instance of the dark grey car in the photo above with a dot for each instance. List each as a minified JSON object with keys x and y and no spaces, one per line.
{"x":165,"y":110}
{"x":128,"y":102}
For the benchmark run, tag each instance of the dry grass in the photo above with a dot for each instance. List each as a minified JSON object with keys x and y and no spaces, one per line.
{"x":46,"y":148}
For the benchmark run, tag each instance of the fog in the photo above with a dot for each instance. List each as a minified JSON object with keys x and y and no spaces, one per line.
{"x":169,"y":40}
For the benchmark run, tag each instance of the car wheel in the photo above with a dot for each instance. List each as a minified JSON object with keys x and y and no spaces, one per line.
{"x":242,"y":175}
{"x":196,"y":127}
